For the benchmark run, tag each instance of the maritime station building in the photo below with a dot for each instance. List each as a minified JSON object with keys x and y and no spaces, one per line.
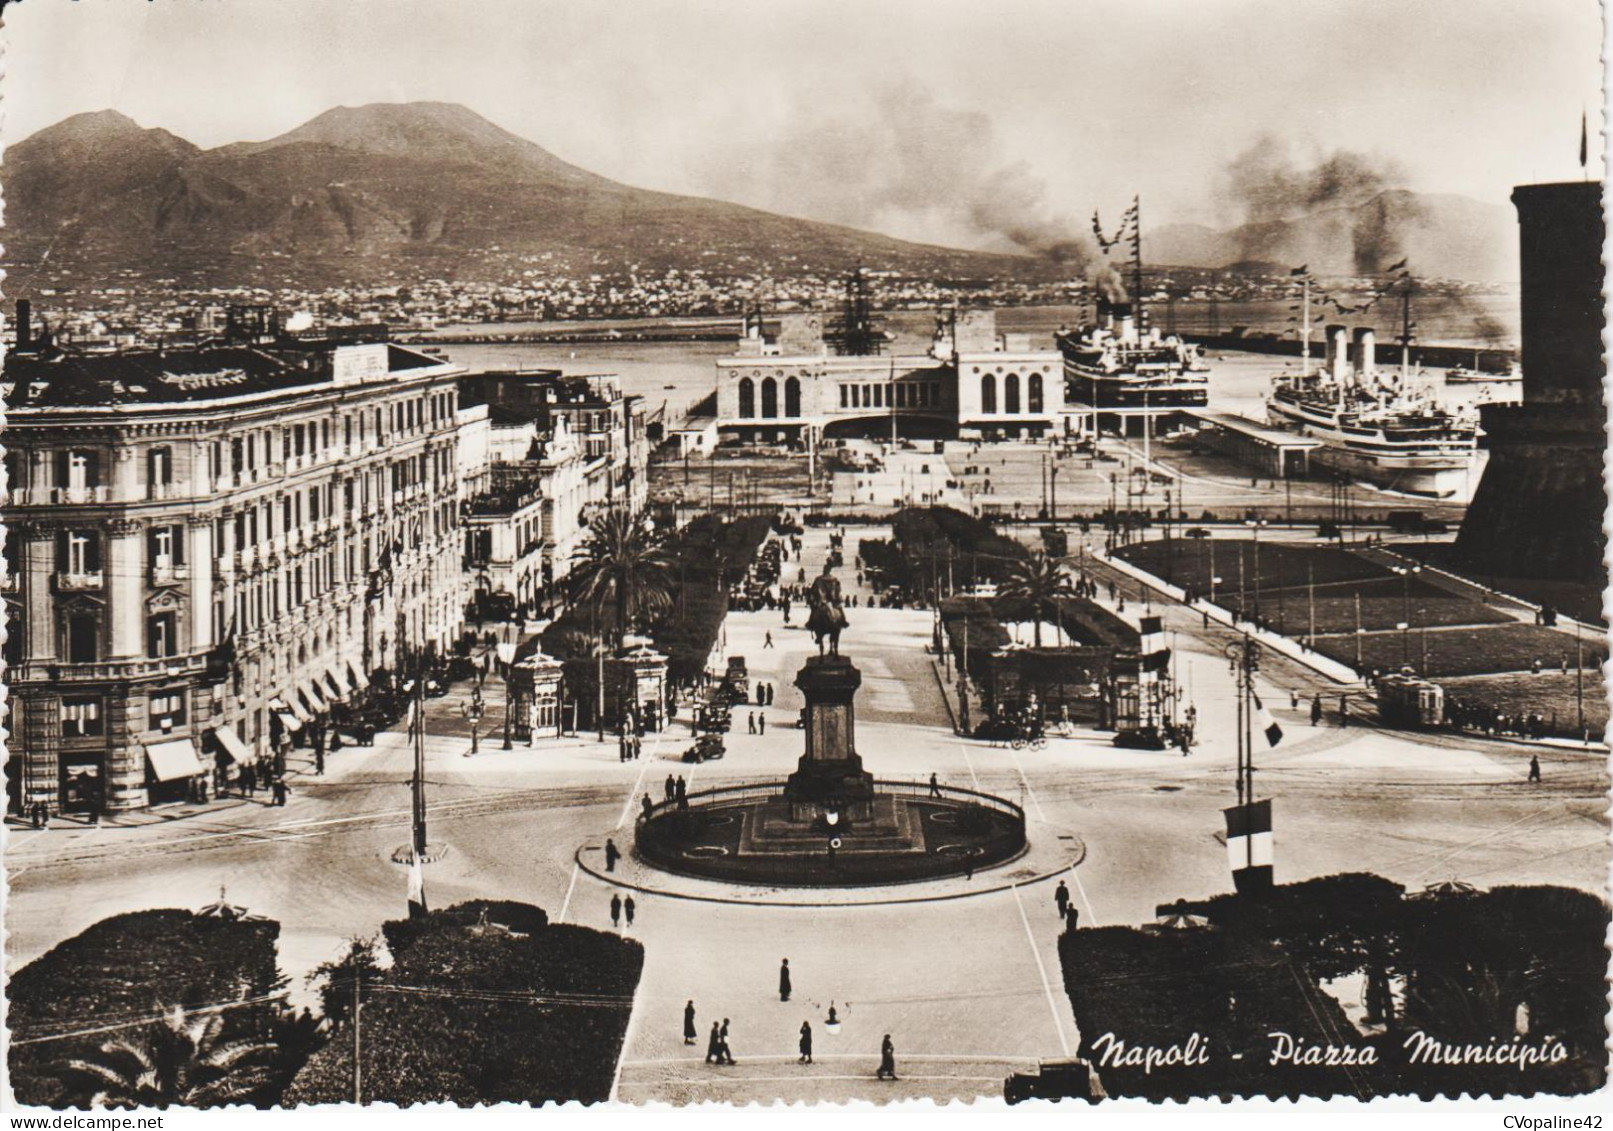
{"x":800,"y":385}
{"x":207,"y":547}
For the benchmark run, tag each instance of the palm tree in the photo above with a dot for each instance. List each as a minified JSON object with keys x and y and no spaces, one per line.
{"x":1038,"y":581}
{"x":180,"y":1062}
{"x":620,"y":566}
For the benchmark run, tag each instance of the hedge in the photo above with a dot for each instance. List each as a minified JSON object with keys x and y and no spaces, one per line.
{"x":432,"y":1031}
{"x":137,"y":964}
{"x":1464,"y":961}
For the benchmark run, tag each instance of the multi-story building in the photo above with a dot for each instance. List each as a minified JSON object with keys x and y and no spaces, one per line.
{"x":205,"y":547}
{"x":790,"y":388}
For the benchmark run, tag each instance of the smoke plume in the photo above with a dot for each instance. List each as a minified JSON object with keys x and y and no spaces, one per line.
{"x":906,"y":165}
{"x":1107,"y":284}
{"x":1269,"y":191}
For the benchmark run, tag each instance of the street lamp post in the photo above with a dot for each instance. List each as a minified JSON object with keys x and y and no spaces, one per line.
{"x":474,"y":711}
{"x":1405,"y":573}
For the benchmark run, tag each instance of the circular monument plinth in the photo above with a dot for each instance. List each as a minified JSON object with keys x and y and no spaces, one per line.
{"x":904,"y":834}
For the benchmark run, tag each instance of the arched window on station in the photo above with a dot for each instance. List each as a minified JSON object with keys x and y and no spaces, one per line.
{"x":988,"y":393}
{"x":769,"y":398}
{"x":1036,"y":392}
{"x":792,"y":397}
{"x":747,"y":397}
{"x":1011,"y":394}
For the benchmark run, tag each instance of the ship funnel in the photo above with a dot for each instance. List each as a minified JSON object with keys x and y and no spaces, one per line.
{"x":1126,"y":328}
{"x":1366,"y":353}
{"x":1337,"y":351}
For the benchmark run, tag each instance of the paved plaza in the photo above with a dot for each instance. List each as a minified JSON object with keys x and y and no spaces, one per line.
{"x":963,"y":974}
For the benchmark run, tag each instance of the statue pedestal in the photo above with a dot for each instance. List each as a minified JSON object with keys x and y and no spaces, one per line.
{"x":830,"y":774}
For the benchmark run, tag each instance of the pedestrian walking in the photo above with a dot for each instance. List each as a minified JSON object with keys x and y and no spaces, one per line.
{"x":612,"y":854}
{"x":690,"y":1033}
{"x":1534,"y":767}
{"x":935,"y":786}
{"x":649,"y":806}
{"x":887,"y":1060}
{"x":761,"y":724}
{"x":615,"y":910}
{"x":1072,"y":918}
{"x":768,"y":642}
{"x":671,"y":788}
{"x":722,"y":1044}
{"x":806,"y":1043}
{"x":713,"y":1045}
{"x":683,"y":792}
{"x":280,"y":791}
{"x":1316,"y":710}
{"x":1061,"y":899}
{"x":750,"y":723}
{"x":784,"y":981}
{"x":628,"y":908}
{"x":1293,"y":699}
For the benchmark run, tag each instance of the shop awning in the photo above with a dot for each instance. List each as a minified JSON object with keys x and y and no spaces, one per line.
{"x":230,"y":742}
{"x":334,"y":681}
{"x":356,"y":677}
{"x":311,"y":696}
{"x":298,"y":710}
{"x":170,"y":761}
{"x":289,"y":721}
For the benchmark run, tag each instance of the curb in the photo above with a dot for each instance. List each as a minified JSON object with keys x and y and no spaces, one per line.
{"x":610,"y":878}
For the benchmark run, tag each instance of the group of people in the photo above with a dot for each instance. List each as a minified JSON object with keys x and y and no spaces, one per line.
{"x":252,"y":776}
{"x":719,"y":1052}
{"x":756,"y":722}
{"x":1475,"y":715}
{"x":620,"y":907}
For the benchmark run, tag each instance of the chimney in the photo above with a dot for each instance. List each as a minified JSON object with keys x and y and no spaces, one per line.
{"x":24,"y":325}
{"x":1338,"y":348}
{"x":1106,"y":313}
{"x":1366,"y":353}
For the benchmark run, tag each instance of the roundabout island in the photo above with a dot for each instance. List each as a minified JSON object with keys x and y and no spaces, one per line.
{"x":830,"y":823}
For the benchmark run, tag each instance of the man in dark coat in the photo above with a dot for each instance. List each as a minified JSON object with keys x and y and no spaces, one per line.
{"x":612,"y":854}
{"x":1316,"y":710}
{"x":629,"y":908}
{"x":806,"y":1043}
{"x":1061,"y":899}
{"x":723,"y":1050}
{"x":671,"y":788}
{"x":1534,"y":768}
{"x":690,"y":1033}
{"x":887,"y":1060}
{"x":714,"y":1045}
{"x":615,"y":910}
{"x":784,"y":981}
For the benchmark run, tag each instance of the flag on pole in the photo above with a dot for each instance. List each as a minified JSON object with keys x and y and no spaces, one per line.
{"x":1274,"y":733}
{"x":1249,"y":845}
{"x":417,"y":887}
{"x":1152,"y":632}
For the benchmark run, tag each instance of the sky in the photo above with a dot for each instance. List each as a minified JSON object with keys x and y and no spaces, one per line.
{"x":949,"y":121}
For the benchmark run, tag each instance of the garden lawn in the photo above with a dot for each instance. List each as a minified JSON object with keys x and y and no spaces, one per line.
{"x":1553,"y":694}
{"x":1456,"y":651}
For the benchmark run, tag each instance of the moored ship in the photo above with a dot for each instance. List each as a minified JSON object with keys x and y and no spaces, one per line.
{"x":1375,"y":430}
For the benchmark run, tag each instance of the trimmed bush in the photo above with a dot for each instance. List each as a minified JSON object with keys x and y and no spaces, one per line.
{"x":512,"y":1010}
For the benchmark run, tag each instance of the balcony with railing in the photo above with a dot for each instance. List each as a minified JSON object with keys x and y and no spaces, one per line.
{"x":70,"y":581}
{"x":507,"y":499}
{"x":141,"y":667}
{"x":169,"y":573}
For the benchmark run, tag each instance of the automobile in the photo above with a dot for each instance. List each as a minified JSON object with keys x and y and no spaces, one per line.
{"x":707,"y":748}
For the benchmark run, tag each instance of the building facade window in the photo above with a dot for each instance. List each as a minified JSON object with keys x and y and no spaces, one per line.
{"x":769,"y":398}
{"x":80,"y":552}
{"x":1011,"y":394}
{"x":81,"y":717}
{"x":167,"y":709}
{"x":988,"y":393}
{"x":792,"y":397}
{"x":747,"y":397}
{"x":83,"y":638}
{"x":1036,"y":392}
{"x":162,"y":635}
{"x":165,"y":547}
